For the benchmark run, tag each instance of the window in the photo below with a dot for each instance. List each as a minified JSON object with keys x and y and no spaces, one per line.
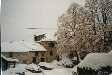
{"x":36,"y":53}
{"x":10,"y":54}
{"x":51,"y":53}
{"x":51,"y":44}
{"x":34,"y":60}
{"x":24,"y":61}
{"x":42,"y":54}
{"x":42,"y":59}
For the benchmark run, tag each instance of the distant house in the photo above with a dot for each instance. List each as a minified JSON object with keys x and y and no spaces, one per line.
{"x":96,"y":64}
{"x":28,"y":52}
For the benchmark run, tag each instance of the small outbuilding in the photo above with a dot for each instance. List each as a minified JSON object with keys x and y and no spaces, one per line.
{"x":7,"y":62}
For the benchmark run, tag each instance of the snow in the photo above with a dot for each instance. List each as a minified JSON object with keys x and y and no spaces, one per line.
{"x":21,"y":68}
{"x":12,"y":59}
{"x":34,"y":46}
{"x":75,"y":58}
{"x":9,"y":59}
{"x":47,"y":39}
{"x":110,"y":52}
{"x":56,"y":71}
{"x":49,"y":65}
{"x":65,"y":61}
{"x":30,"y":73}
{"x":63,"y":71}
{"x":97,"y":60}
{"x":14,"y":46}
{"x":18,"y":69}
{"x":12,"y":71}
{"x":8,"y":72}
{"x":75,"y":69}
{"x":21,"y":46}
{"x":55,"y":63}
{"x":32,"y":67}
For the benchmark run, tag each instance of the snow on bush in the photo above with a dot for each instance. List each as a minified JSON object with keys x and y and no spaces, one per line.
{"x":33,"y":67}
{"x":110,"y":53}
{"x":75,"y":68}
{"x":74,"y":58}
{"x":66,"y":62}
{"x":55,"y":62}
{"x":97,"y":60}
{"x":49,"y":65}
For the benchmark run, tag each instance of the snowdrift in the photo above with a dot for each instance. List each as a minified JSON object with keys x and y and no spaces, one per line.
{"x":94,"y":63}
{"x":66,"y":62}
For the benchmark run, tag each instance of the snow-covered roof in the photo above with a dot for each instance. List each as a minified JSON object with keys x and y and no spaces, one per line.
{"x":9,"y":59}
{"x":14,"y":46}
{"x":96,"y":60}
{"x":21,"y":46}
{"x":33,"y":46}
{"x":47,"y":39}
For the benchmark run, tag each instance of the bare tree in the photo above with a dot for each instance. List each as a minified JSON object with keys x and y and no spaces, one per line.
{"x":66,"y":32}
{"x":80,"y":28}
{"x":75,"y":31}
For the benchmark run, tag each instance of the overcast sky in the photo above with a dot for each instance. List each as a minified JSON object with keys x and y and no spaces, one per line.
{"x":20,"y":14}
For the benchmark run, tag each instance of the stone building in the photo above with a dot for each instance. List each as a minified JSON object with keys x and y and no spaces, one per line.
{"x":51,"y":52}
{"x":44,"y":51}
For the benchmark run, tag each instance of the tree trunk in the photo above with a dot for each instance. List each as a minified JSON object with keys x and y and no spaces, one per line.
{"x":77,"y":55}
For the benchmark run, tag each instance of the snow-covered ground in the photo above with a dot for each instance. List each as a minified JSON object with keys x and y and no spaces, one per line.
{"x":93,"y":60}
{"x":57,"y":70}
{"x":63,"y":71}
{"x":12,"y":71}
{"x":111,"y":74}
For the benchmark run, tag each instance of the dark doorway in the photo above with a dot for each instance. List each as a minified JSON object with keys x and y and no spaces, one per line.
{"x":36,"y":53}
{"x":51,"y":53}
{"x":34,"y":60}
{"x":10,"y":54}
{"x":42,"y":59}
